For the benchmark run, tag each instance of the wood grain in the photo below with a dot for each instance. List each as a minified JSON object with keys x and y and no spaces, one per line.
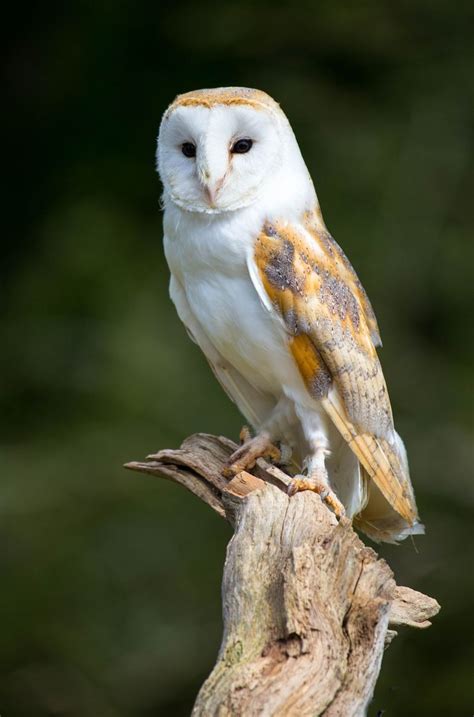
{"x":307,"y":607}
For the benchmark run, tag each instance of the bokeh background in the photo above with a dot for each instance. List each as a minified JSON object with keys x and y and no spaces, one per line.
{"x":110,"y":597}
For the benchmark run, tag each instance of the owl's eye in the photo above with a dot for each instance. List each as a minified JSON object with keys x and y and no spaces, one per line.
{"x":188,"y":149}
{"x":242,"y":146}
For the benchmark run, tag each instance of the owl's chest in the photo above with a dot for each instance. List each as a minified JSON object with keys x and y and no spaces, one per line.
{"x":223,"y":299}
{"x":239,"y":326}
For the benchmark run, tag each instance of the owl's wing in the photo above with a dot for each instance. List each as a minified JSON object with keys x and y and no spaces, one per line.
{"x":251,"y":402}
{"x":305,"y":280}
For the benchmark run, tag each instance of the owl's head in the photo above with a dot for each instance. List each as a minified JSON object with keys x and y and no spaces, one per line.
{"x":220,"y":149}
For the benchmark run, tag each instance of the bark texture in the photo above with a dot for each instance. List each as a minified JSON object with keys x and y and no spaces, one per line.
{"x":307,"y":607}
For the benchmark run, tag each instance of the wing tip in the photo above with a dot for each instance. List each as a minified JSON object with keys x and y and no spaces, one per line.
{"x":374,"y":459}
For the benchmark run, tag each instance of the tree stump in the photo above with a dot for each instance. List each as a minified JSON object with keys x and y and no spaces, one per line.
{"x":307,"y":607}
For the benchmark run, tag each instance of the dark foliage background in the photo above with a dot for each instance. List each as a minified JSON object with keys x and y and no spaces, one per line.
{"x":110,"y":599}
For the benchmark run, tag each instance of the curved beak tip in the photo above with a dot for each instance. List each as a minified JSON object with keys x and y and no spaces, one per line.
{"x":210,"y":193}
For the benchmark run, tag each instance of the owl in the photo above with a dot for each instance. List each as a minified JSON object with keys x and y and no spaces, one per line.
{"x":277,"y":309}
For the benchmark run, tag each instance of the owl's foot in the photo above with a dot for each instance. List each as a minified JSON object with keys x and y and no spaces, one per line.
{"x":245,"y":435}
{"x":317,"y":481}
{"x":245,"y":457}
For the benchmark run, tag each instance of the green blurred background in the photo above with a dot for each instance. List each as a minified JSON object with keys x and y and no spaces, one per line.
{"x":110,"y":597}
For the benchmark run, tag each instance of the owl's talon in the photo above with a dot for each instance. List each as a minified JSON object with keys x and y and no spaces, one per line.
{"x":245,"y":457}
{"x":333,"y":502}
{"x":292,"y":488}
{"x":244,"y":435}
{"x":300,"y":483}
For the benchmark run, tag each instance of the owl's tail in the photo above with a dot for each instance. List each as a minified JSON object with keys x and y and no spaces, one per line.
{"x":380,"y":521}
{"x":377,"y":518}
{"x":363,"y":500}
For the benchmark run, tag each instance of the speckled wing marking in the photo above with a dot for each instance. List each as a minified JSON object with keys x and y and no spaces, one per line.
{"x":332,"y":335}
{"x":314,"y":224}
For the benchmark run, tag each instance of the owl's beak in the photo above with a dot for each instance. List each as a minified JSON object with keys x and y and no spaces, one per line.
{"x":210,"y":192}
{"x":211,"y":187}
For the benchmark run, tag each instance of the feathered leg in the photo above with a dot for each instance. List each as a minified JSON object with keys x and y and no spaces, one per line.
{"x":316,"y":479}
{"x":316,"y":476}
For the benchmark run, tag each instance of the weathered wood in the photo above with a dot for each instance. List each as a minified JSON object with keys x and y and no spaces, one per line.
{"x":307,"y":606}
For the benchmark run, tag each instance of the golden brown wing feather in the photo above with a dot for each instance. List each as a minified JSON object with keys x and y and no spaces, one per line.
{"x":332,"y":336}
{"x":314,"y":223}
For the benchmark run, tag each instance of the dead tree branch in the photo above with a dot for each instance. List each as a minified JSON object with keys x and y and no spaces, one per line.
{"x":307,"y":606}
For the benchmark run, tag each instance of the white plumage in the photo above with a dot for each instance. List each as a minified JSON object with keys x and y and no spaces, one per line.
{"x":231,"y":167}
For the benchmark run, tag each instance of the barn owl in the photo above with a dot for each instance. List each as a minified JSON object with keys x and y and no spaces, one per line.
{"x":276,"y":307}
